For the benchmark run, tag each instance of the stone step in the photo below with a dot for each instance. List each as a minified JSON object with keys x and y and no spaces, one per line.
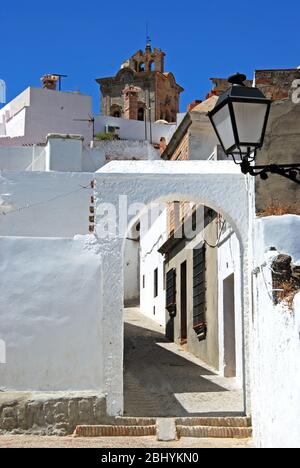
{"x":228,"y":421}
{"x":214,"y":432}
{"x":114,"y":430}
{"x":215,"y":427}
{"x":131,"y":421}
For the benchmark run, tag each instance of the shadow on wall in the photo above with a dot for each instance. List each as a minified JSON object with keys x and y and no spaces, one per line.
{"x":154,"y":375}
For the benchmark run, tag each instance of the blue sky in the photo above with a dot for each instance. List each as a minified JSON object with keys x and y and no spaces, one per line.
{"x":90,"y":39}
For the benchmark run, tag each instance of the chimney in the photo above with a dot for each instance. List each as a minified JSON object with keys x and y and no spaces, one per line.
{"x":131,"y":94}
{"x":162,"y":145}
{"x":193,"y":104}
{"x":50,"y":81}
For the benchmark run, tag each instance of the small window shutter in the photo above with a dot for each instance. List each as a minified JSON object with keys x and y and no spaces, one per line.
{"x":199,"y":289}
{"x":171,"y":291}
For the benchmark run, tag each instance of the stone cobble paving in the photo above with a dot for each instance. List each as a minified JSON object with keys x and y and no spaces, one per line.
{"x":27,"y":441}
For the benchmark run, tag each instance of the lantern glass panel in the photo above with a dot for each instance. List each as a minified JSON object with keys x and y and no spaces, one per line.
{"x":250,"y":119}
{"x":222,"y":122}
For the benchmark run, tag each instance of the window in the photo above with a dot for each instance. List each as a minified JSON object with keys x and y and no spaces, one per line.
{"x":156,"y":282}
{"x":116,"y":111}
{"x":171,"y":291}
{"x":199,"y":293}
{"x":141,"y":67}
{"x":143,"y":281}
{"x":141,"y":112}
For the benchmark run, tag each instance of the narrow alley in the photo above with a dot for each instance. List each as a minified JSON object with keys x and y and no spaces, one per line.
{"x":162,"y":379}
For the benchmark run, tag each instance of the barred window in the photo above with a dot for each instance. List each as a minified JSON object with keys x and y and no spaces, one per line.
{"x":199,"y":292}
{"x":171,"y":291}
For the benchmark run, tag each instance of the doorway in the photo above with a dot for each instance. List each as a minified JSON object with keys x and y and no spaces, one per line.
{"x":229,"y":327}
{"x":183,"y":303}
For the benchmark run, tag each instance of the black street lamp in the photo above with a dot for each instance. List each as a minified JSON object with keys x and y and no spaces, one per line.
{"x":240,"y":119}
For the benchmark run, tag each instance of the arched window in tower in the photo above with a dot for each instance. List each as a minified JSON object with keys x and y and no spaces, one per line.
{"x":116,"y":111}
{"x":151,"y":65}
{"x":141,"y":113}
{"x":141,"y":67}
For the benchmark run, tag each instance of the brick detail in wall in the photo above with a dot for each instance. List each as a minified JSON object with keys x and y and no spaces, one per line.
{"x":276,"y":84}
{"x":182,"y":151}
{"x":176,"y":213}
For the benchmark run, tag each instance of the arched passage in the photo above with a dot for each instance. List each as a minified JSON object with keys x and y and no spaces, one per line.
{"x":183,"y":336}
{"x":218,"y":185}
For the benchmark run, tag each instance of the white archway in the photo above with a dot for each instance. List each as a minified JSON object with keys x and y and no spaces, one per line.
{"x":219,"y":185}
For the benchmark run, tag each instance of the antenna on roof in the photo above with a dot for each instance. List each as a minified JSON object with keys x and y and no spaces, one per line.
{"x":90,"y":120}
{"x":148,"y":39}
{"x":60,"y":76}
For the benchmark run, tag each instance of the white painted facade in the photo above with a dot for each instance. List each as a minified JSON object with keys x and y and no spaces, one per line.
{"x":67,"y":153}
{"x":53,"y":333}
{"x":36,"y":112}
{"x":22,"y":158}
{"x":41,"y":204}
{"x":229,"y":266}
{"x":59,"y":207}
{"x":64,"y":154}
{"x":69,"y":335}
{"x":135,"y":129}
{"x":275,"y":362}
{"x":132,"y":268}
{"x":150,"y":260}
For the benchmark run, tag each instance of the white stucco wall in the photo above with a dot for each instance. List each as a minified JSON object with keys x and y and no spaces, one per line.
{"x":229,"y":262}
{"x":275,"y":383}
{"x":37,"y":112}
{"x":105,"y":151}
{"x":64,"y":153}
{"x":16,"y":126}
{"x":150,"y":259}
{"x":50,"y":315}
{"x":22,"y":158}
{"x":202,"y":139}
{"x":12,"y":115}
{"x":52,"y":204}
{"x":68,"y":153}
{"x":131,"y":272}
{"x":134,"y":129}
{"x":280,"y":232}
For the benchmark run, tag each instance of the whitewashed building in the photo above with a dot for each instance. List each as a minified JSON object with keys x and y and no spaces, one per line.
{"x":62,"y":288}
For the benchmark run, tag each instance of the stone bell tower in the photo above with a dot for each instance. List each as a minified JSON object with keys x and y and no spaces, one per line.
{"x":141,"y":90}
